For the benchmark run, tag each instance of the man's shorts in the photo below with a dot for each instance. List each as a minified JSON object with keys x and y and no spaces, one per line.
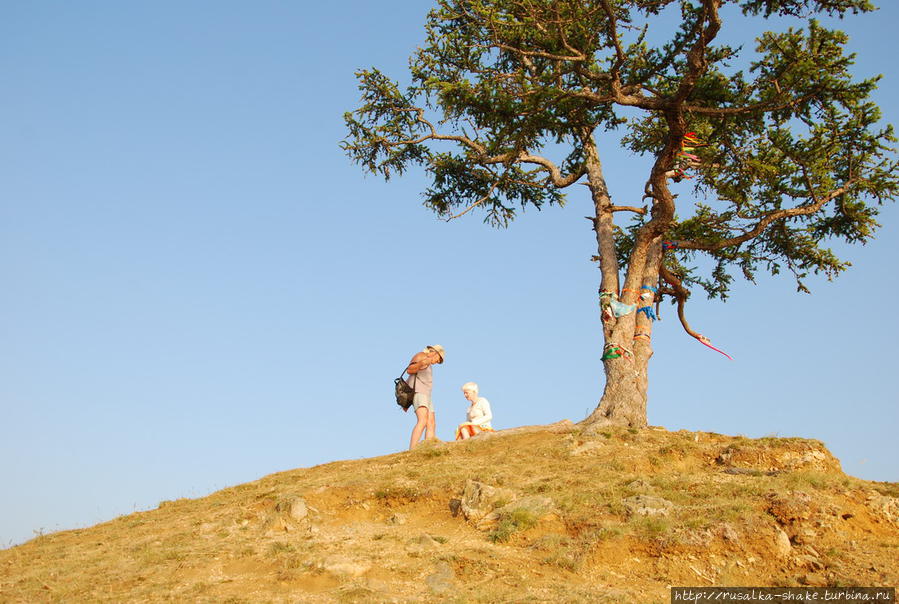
{"x":422,"y":399}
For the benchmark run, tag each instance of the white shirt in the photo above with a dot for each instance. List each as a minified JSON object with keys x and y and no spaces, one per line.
{"x":479,"y":413}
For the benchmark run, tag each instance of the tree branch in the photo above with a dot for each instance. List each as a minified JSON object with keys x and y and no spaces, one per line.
{"x":641,"y":211}
{"x":754,"y":108}
{"x":539,"y":53}
{"x":696,"y":59}
{"x":434,"y":134}
{"x":681,"y":294}
{"x":555,"y":174}
{"x":766,"y":221}
{"x":620,"y":57}
{"x":477,"y":203}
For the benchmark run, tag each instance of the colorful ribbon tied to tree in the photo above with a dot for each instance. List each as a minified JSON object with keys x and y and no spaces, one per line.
{"x":615,"y":351}
{"x":686,"y":158}
{"x":704,"y":340}
{"x":649,"y":292}
{"x":648,"y":311}
{"x":619,"y":309}
{"x":605,"y":305}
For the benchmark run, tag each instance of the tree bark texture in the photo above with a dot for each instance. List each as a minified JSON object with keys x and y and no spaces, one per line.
{"x":624,"y":398}
{"x":625,"y":395}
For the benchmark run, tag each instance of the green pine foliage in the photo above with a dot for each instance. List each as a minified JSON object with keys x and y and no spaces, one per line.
{"x":798,"y":157}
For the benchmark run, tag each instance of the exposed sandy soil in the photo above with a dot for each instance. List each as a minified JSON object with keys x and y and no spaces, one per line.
{"x":710,"y":510}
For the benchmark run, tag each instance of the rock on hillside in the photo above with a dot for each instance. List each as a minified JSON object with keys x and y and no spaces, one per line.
{"x":544,"y":515}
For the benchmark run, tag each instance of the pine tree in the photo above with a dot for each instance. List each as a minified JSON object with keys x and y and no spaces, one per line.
{"x":785,"y":154}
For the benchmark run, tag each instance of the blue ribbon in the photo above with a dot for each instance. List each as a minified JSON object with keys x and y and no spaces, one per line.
{"x":648,"y":311}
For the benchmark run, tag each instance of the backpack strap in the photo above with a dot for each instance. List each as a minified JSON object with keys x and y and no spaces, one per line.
{"x":414,"y":379}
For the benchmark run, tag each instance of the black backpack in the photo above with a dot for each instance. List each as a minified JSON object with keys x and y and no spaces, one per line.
{"x":404,"y":392}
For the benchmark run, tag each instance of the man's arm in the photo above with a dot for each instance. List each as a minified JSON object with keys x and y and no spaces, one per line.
{"x":419,"y":361}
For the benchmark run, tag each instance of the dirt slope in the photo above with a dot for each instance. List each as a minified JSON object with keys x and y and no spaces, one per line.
{"x":532,"y":516}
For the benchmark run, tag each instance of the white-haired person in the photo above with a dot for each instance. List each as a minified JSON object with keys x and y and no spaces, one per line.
{"x":422,"y":382}
{"x":479,"y":413}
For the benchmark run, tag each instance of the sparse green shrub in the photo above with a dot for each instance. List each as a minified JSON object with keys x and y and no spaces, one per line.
{"x":551,"y":542}
{"x":890,"y":489}
{"x":695,"y":522}
{"x":511,"y":523}
{"x":435,"y":452}
{"x":357,"y":594}
{"x":564,"y":559}
{"x":815,"y":480}
{"x":678,"y":449}
{"x":285,"y":575}
{"x":498,"y":480}
{"x":836,"y":554}
{"x":560,"y":553}
{"x":616,"y":508}
{"x":651,"y":527}
{"x":200,"y":587}
{"x":569,"y":553}
{"x":409,"y":493}
{"x":604,"y":534}
{"x":280,"y":547}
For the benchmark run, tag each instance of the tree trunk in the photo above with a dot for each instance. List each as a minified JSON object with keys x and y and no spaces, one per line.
{"x":623,"y":402}
{"x":628,"y":338}
{"x":625,"y":395}
{"x":624,"y":399}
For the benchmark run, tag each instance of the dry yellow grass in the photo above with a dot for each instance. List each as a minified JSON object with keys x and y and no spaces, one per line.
{"x":745,"y":512}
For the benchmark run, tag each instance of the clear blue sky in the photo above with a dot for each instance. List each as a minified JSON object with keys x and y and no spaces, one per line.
{"x":199,"y":289}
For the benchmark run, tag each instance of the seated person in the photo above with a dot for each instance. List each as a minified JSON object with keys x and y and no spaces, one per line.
{"x":479,"y":414}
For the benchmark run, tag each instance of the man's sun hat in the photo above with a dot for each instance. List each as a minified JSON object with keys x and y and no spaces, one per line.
{"x":439,"y":350}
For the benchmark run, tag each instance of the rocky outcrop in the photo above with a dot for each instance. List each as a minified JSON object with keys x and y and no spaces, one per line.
{"x":647,"y":505}
{"x":485,"y":505}
{"x":479,"y":499}
{"x":294,"y":508}
{"x":885,"y":507}
{"x":779,"y":456}
{"x":442,"y":580}
{"x":791,"y":507}
{"x":534,"y":506}
{"x":782,"y":545}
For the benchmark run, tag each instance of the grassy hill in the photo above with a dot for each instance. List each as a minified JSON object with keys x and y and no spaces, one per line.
{"x":547,"y":514}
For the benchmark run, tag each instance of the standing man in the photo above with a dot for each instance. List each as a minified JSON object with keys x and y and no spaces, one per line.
{"x":421,"y":380}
